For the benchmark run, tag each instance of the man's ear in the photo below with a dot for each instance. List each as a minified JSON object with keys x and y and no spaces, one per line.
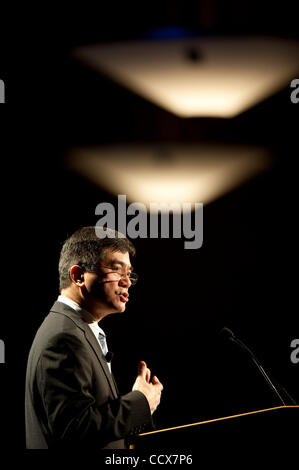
{"x":77,"y":275}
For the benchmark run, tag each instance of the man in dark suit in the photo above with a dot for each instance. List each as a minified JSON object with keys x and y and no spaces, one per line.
{"x":71,"y":396}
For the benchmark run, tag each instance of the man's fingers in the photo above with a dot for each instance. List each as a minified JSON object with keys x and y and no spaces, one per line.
{"x":142,"y":369}
{"x":152,"y":390}
{"x":145,"y":373}
{"x":155,"y":381}
{"x":148,"y":375}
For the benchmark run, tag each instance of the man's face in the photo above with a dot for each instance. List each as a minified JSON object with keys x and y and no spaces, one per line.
{"x":105,"y":292}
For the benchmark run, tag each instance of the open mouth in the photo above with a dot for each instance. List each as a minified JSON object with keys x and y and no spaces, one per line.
{"x":124,"y":297}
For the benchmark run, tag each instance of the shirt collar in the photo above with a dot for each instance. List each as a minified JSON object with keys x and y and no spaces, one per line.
{"x":87,"y":316}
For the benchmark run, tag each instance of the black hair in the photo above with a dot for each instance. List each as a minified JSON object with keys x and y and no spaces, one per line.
{"x":87,"y":246}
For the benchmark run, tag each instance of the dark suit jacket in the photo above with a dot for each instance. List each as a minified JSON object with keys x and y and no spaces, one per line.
{"x":71,"y":397}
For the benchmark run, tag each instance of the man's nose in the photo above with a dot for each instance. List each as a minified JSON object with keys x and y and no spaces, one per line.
{"x":125,"y":280}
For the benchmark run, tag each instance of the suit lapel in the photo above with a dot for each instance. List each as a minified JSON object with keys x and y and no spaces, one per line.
{"x":60,"y":307}
{"x":90,"y":337}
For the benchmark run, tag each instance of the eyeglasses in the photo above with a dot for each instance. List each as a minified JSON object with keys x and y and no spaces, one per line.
{"x":118,"y":273}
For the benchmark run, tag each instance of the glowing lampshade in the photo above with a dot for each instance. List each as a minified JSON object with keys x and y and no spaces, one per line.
{"x":209,"y":77}
{"x":171,"y":173}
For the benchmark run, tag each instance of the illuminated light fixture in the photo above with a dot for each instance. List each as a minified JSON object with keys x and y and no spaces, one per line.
{"x":199,"y":77}
{"x":170,"y":173}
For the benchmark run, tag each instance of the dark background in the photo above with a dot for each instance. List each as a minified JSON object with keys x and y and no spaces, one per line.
{"x":243,"y":277}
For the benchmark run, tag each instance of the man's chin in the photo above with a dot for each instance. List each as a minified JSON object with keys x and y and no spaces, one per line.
{"x":119,"y":308}
{"x":123,"y":308}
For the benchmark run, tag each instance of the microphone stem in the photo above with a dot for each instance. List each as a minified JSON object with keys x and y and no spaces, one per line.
{"x":259,"y":366}
{"x":269,"y":381}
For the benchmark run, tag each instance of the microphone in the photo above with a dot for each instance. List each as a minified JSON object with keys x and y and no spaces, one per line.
{"x":228,"y":334}
{"x":109,"y":356}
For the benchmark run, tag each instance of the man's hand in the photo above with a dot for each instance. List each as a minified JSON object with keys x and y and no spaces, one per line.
{"x":152,"y":390}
